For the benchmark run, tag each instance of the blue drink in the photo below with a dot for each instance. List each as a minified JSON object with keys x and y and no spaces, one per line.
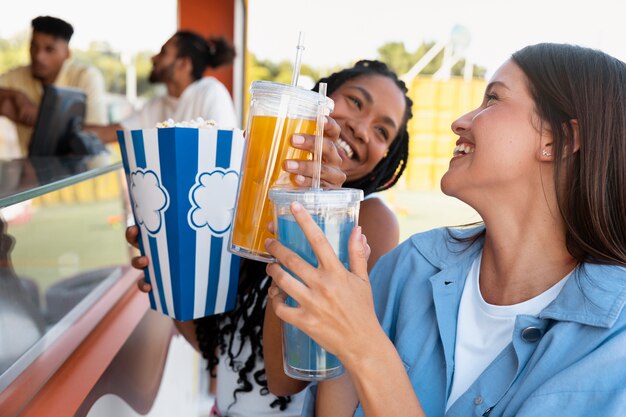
{"x":336,"y":213}
{"x":304,"y":355}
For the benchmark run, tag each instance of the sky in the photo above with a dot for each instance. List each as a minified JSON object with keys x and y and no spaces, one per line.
{"x":339,"y":32}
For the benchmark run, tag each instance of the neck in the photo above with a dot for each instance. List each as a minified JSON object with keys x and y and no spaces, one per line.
{"x":175,"y":88}
{"x":524,"y":254}
{"x":48,"y":80}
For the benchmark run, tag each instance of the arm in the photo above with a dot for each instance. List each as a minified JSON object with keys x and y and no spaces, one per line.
{"x":338,"y":397}
{"x":336,"y":309}
{"x":331,"y":176}
{"x":107,"y":133}
{"x":15,"y":105}
{"x":381,"y":226}
{"x":277,"y":381}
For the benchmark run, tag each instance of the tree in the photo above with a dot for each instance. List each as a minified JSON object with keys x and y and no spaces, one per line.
{"x":14,"y":51}
{"x":400,"y":60}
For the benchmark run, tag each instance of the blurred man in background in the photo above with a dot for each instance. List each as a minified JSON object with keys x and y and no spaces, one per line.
{"x":21,"y":88}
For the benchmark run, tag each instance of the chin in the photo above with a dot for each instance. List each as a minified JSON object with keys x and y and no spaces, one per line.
{"x":447,"y":185}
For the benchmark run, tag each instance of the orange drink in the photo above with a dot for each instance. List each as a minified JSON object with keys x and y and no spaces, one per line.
{"x":277,"y":112}
{"x":264,"y":168}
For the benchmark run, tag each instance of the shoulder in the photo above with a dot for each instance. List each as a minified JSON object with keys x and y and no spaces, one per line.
{"x":380,"y":226}
{"x":208,"y":90}
{"x":77,"y":68}
{"x":210,"y":84}
{"x":15,"y":75}
{"x":375,"y":213}
{"x":82,"y":75}
{"x":435,"y":249}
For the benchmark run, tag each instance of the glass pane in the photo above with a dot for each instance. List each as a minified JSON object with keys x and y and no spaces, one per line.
{"x":23,"y":179}
{"x":55,"y":250}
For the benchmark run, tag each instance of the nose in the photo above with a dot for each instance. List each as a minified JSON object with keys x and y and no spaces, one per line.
{"x":358,"y":127}
{"x":36,"y":55}
{"x":463,"y":123}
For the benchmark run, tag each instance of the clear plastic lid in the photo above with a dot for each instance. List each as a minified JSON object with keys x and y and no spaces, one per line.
{"x":274,"y":91}
{"x":311,"y":197}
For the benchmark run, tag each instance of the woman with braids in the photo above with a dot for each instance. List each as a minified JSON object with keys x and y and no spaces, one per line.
{"x":523,"y":315}
{"x":367,"y":137}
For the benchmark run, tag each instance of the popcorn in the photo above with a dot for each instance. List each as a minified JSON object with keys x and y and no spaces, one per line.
{"x":198,"y":122}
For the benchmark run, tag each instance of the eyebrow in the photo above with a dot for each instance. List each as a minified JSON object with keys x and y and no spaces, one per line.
{"x":368,"y":97}
{"x":496,"y":83}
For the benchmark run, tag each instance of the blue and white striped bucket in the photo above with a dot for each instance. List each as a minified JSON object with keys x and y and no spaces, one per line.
{"x":183,"y":185}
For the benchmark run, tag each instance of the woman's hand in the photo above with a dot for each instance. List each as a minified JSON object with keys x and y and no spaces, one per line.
{"x":331,"y":174}
{"x":335,"y":305}
{"x":138,"y":262}
{"x":336,"y":309}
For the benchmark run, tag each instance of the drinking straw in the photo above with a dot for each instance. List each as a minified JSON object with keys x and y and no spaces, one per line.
{"x":296,"y":66}
{"x":319,"y":136}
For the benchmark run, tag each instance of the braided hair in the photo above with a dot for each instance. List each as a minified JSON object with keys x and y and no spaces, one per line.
{"x":387,"y":172}
{"x":246,"y":320}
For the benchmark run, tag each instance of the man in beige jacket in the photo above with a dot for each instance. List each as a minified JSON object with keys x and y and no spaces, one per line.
{"x":21,"y":88}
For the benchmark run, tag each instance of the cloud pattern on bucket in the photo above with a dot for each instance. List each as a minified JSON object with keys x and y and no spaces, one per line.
{"x":214,"y":213}
{"x":150,"y":199}
{"x":183,"y":184}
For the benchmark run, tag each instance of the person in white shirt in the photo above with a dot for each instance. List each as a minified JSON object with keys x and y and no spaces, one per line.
{"x":180,"y":65}
{"x":21,"y":88}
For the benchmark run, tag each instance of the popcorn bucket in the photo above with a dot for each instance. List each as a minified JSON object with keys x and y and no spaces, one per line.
{"x":183,"y":185}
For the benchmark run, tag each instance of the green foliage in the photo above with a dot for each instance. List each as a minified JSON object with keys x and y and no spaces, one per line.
{"x":272,"y":71}
{"x":400,"y":60}
{"x":14,"y":51}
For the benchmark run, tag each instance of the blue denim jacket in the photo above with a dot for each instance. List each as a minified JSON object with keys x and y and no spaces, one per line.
{"x":569,"y":361}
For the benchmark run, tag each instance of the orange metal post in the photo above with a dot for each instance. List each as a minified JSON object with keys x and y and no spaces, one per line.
{"x":210,"y":18}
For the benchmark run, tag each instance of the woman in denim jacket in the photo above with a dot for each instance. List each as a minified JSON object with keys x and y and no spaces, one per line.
{"x":521,"y":316}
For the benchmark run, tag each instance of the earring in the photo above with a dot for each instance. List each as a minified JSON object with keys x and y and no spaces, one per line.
{"x":545,"y":153}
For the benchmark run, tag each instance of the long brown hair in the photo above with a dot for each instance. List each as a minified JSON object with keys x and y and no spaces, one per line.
{"x":574,"y":83}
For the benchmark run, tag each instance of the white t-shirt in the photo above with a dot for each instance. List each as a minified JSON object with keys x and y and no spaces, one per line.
{"x":207,"y":98}
{"x":483,"y":329}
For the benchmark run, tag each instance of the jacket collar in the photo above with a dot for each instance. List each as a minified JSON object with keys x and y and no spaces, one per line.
{"x":594,"y":295}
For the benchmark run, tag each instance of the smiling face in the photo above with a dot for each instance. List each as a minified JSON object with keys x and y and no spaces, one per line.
{"x":499,"y":144}
{"x":370,"y":111}
{"x":47,"y":54}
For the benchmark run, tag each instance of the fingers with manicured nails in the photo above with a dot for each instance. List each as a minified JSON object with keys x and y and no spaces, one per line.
{"x":367,"y":247}
{"x":303,"y":171}
{"x":358,"y":250}
{"x":291,"y":261}
{"x":291,"y":286}
{"x":324,"y":252}
{"x":330,"y":176}
{"x":329,"y":150}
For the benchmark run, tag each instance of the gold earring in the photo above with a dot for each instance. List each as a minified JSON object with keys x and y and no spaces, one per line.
{"x":545,"y":153}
